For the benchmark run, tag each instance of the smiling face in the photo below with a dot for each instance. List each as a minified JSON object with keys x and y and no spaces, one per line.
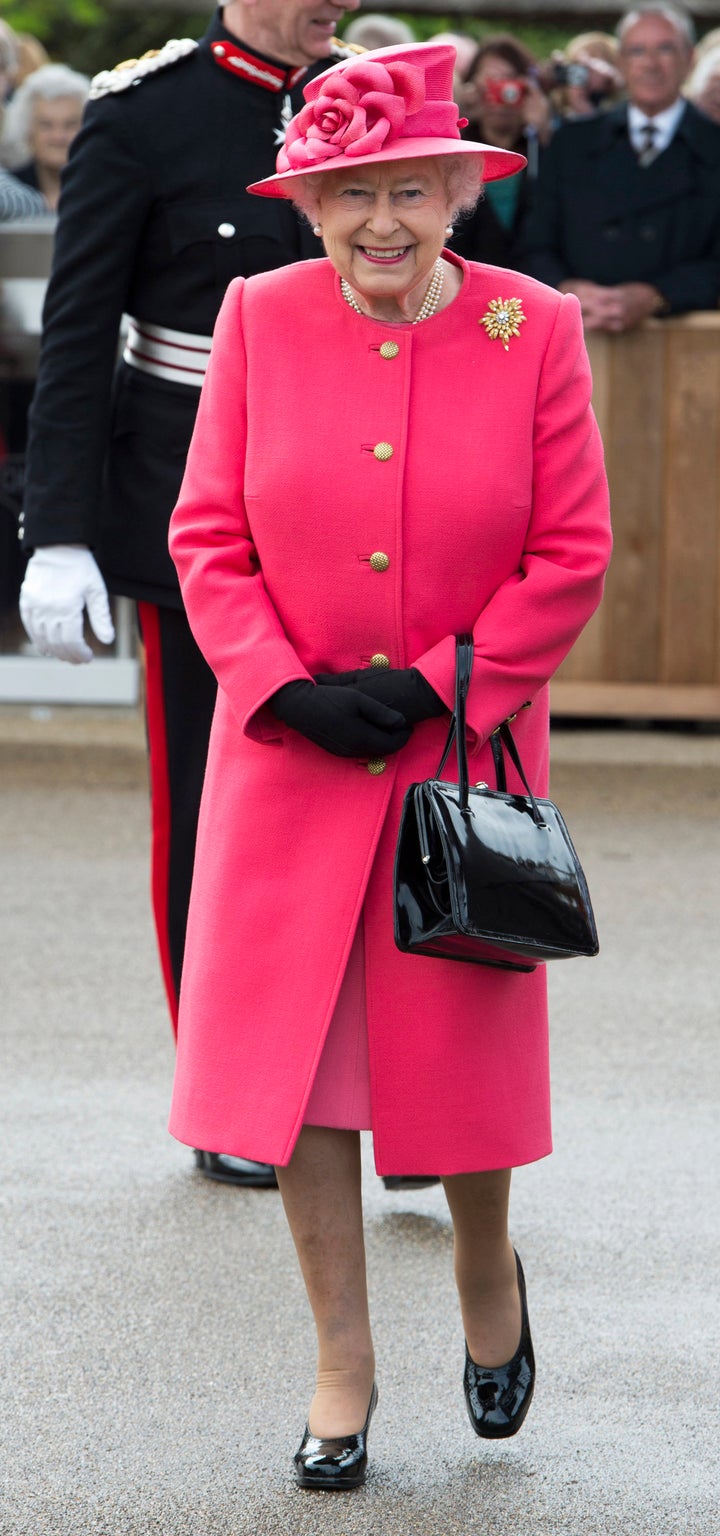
{"x":291,"y":31}
{"x":383,"y":228}
{"x":655,"y":58}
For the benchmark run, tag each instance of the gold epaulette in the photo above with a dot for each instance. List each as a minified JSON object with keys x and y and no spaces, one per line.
{"x":133,"y":71}
{"x":341,"y":50}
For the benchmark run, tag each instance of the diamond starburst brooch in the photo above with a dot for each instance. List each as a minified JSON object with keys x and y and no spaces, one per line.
{"x":503,"y":319}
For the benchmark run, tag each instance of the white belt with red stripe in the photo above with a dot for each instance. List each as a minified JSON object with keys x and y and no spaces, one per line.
{"x":175,"y":355}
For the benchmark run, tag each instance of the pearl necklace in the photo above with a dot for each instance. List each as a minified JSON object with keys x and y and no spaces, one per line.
{"x":429,"y":303}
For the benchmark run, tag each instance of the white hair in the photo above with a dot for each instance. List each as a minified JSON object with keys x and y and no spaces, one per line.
{"x":48,"y":83}
{"x":707,"y":66}
{"x":679,"y":19}
{"x":462,"y":177}
{"x":8,"y":50}
{"x":374,"y":30}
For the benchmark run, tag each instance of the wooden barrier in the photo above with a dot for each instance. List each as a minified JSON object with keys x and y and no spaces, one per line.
{"x":653,"y":648}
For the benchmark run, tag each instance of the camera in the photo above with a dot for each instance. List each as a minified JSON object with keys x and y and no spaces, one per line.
{"x":564,"y":73}
{"x":504,"y":93}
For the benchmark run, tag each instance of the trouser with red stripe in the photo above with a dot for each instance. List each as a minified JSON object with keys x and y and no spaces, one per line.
{"x":180,"y":692}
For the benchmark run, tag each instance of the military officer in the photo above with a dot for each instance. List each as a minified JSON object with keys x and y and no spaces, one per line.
{"x":154,"y":222}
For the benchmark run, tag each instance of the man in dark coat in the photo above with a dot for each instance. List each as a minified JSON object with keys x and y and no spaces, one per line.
{"x":154,"y":222}
{"x":627,"y":211}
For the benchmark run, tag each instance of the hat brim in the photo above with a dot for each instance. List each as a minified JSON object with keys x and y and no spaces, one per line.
{"x":496,"y":163}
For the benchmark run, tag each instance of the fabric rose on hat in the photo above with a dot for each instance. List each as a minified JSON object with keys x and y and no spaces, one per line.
{"x":352,"y":113}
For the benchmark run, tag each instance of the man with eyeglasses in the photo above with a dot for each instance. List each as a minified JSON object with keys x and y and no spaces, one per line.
{"x":627,"y":213}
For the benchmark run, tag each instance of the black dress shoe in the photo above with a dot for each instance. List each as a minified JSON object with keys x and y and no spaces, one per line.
{"x":236,"y":1170}
{"x":394,"y":1181}
{"x":498,"y":1397}
{"x":334,"y":1464}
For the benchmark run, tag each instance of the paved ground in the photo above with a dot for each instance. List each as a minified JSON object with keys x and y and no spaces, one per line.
{"x":157,"y":1353}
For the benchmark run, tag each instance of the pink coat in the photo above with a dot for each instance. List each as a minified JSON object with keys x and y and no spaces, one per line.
{"x":492,"y":512}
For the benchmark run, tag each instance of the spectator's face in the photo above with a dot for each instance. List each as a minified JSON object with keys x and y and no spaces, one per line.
{"x":709,"y":98}
{"x":53,"y":128}
{"x":655,"y":59}
{"x":499,"y":118}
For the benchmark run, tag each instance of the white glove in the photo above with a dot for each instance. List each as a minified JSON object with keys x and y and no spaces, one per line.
{"x":62,"y":580}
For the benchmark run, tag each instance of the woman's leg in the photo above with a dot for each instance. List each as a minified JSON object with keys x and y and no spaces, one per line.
{"x":485,"y":1270}
{"x":321,"y":1192}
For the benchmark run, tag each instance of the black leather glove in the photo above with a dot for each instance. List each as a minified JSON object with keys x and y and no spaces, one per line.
{"x":402,"y":688}
{"x":343,"y":721}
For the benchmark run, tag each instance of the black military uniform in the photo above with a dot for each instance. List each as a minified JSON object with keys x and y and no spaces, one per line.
{"x":154,"y":222}
{"x":601,"y":215}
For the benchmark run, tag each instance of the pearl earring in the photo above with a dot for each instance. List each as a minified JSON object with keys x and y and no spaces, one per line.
{"x":317,"y":230}
{"x":450,"y":231}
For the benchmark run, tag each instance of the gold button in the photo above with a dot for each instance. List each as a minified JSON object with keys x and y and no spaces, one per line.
{"x":379,"y":561}
{"x":378,"y":660}
{"x":376,"y":765}
{"x":383,"y":451}
{"x":389,"y":349}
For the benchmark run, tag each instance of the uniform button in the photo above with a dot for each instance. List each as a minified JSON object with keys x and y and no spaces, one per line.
{"x":379,"y":660}
{"x":376,"y":765}
{"x":379,"y":561}
{"x":219,"y":50}
{"x":383,"y":451}
{"x":389,"y":349}
{"x":226,"y":230}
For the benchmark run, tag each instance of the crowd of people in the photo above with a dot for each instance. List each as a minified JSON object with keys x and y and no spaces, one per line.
{"x":583,"y":111}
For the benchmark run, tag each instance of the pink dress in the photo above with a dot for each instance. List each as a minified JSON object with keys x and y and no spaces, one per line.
{"x":340,"y":1094}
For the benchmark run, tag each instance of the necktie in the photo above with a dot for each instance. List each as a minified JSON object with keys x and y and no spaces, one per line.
{"x":648,"y":150}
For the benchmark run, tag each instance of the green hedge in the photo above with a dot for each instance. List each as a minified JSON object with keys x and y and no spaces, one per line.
{"x":92,"y":36}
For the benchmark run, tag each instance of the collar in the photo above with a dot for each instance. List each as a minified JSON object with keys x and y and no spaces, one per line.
{"x":665,"y":123}
{"x":234,"y":56}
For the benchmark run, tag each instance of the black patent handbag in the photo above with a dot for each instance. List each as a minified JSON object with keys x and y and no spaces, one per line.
{"x":483,"y":875}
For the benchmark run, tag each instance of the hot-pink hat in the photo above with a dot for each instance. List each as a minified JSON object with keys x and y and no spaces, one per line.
{"x":393,"y":104}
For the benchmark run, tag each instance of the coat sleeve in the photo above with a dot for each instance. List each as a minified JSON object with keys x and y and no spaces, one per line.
{"x":18,"y":201}
{"x":230,"y":613}
{"x":532,"y":620}
{"x":105,"y":199}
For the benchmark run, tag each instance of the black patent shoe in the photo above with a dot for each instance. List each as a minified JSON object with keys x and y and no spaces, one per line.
{"x":236,"y":1170}
{"x":334,"y":1464}
{"x":498,"y":1396}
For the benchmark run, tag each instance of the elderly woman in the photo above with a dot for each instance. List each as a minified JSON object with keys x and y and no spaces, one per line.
{"x":380,"y":462}
{"x":41,"y":122}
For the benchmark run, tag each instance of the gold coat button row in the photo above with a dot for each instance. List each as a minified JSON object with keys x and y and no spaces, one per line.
{"x":389,"y":349}
{"x":383,"y":451}
{"x":379,"y":561}
{"x":379,"y":660}
{"x":376,"y":765}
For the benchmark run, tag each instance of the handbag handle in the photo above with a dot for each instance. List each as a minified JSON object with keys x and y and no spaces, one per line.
{"x":500,"y":737}
{"x":464,"y":656}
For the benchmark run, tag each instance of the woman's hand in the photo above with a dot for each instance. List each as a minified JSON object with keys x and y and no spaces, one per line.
{"x":401,"y":688}
{"x":340,"y":719}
